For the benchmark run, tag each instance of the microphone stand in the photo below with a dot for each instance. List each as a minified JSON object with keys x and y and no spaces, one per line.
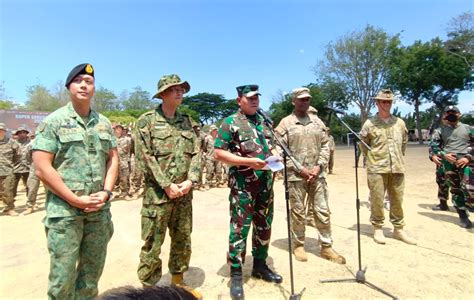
{"x":286,"y":154}
{"x":360,"y":275}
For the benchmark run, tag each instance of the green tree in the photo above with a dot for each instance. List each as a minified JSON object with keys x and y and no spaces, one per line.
{"x":105,"y":100}
{"x":358,"y":62}
{"x":40,"y":99}
{"x":138,"y":99}
{"x":6,"y":104}
{"x":209,"y":107}
{"x":461,"y":38}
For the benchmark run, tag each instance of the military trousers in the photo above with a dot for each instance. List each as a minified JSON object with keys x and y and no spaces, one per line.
{"x":331,"y":161}
{"x":394,"y":185}
{"x":461,"y":183}
{"x":24,"y":178}
{"x":443,"y":188}
{"x":77,"y":248}
{"x":251,"y":203}
{"x":124,"y":179}
{"x":32,"y":186}
{"x":6,"y":191}
{"x":309,"y":206}
{"x":175,"y":215}
{"x":213,"y":171}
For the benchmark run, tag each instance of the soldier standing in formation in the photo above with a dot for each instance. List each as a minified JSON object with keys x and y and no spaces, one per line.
{"x":9,"y":155}
{"x":453,"y":146}
{"x":202,"y":144}
{"x":387,"y":136}
{"x":21,"y":168}
{"x":309,"y":144}
{"x":33,"y":180}
{"x":332,"y":149}
{"x":124,"y":148}
{"x":213,"y":166}
{"x":75,"y":157}
{"x":241,"y":143}
{"x":169,"y":150}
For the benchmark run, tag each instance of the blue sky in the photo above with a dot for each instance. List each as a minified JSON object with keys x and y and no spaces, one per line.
{"x":216,"y":45}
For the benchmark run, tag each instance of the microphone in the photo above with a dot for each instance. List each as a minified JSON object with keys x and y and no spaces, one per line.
{"x":265,"y":116}
{"x":335,"y":110}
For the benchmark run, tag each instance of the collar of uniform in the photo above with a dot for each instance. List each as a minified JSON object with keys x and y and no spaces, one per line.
{"x":160,"y":115}
{"x":307,"y":118}
{"x":391,"y":120}
{"x":93,"y":115}
{"x":243,"y":116}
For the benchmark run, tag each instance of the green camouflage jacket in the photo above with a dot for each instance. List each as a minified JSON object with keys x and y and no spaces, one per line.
{"x":9,"y":155}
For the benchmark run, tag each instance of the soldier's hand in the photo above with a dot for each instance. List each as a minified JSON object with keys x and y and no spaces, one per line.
{"x":185,"y":186}
{"x":306,"y":174}
{"x":173,"y":191}
{"x":451,"y":157}
{"x":256,"y":163}
{"x":100,"y":196}
{"x":436,"y":159}
{"x":88,"y":204}
{"x":461,"y":163}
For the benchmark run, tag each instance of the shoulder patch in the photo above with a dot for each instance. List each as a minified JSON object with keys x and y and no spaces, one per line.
{"x":141,"y":123}
{"x":40,"y":127}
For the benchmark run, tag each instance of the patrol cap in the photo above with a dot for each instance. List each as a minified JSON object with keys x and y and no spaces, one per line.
{"x":212,"y":127}
{"x":3,"y":126}
{"x":167,"y":81}
{"x":300,"y":93}
{"x":20,"y":129}
{"x":248,"y":90}
{"x":78,"y":70}
{"x":451,"y":108}
{"x":384,"y":94}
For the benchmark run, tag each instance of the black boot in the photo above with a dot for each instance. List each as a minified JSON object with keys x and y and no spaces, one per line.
{"x":465,"y":222}
{"x":262,"y":271}
{"x":236,"y":284}
{"x":443,"y":205}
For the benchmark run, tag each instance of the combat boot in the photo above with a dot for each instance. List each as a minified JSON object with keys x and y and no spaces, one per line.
{"x":464,"y":219}
{"x":327,"y":252}
{"x":10,"y":212}
{"x":400,"y":234}
{"x":177,"y":279}
{"x":262,"y":271}
{"x":236,"y":284}
{"x":28,"y":211}
{"x":443,"y":206}
{"x":300,"y":254}
{"x":379,"y":238}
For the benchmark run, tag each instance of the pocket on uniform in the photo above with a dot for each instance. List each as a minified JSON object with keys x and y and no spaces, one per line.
{"x":148,"y":223}
{"x":162,"y":142}
{"x":105,"y":141}
{"x":188,"y":143}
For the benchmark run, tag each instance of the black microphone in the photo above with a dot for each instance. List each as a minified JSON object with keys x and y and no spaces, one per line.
{"x":265,"y":116}
{"x":335,"y":110}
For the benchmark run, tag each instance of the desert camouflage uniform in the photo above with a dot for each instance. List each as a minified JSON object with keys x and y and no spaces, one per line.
{"x":168,"y":150}
{"x":309,"y":145}
{"x":9,"y":155}
{"x":251,"y":199}
{"x":33,"y":181}
{"x":77,"y":241}
{"x":385,"y":167}
{"x":213,"y":166}
{"x":137,"y":181}
{"x":332,"y":149}
{"x":460,"y":141}
{"x":21,"y":168}
{"x":124,"y":147}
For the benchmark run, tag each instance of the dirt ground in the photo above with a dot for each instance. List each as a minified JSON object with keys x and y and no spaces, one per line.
{"x":440,"y":266}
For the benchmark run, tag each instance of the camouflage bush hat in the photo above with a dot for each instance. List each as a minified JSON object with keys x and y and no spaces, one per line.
{"x":384,"y":94}
{"x":300,"y":93}
{"x":451,"y":108}
{"x":167,"y":81}
{"x":213,"y":127}
{"x":3,"y":126}
{"x":20,"y":129}
{"x":248,"y":90}
{"x":78,"y":70}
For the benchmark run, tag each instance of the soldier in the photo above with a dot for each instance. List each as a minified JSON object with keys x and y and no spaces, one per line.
{"x":75,"y":156}
{"x":387,"y":136}
{"x":33,"y":181}
{"x":241,"y":143}
{"x":443,"y":188}
{"x":168,"y":148}
{"x":22,"y":166}
{"x":332,"y":149}
{"x":213,"y":166}
{"x":308,"y":142}
{"x":8,"y":157}
{"x":453,"y":146}
{"x":202,"y":142}
{"x":124,"y":148}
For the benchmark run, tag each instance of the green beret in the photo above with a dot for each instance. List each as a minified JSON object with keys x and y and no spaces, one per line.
{"x":247,"y":90}
{"x":78,"y":70}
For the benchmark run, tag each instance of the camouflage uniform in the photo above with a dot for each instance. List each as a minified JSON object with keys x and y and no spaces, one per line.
{"x":443,"y":188}
{"x":124,"y":146}
{"x":385,"y":167}
{"x":77,"y":241}
{"x":332,"y":149}
{"x":9,"y":155}
{"x":309,"y":144}
{"x":460,"y":141}
{"x":21,"y":168}
{"x":168,"y":150}
{"x":33,"y":181}
{"x":251,"y":200}
{"x":136,"y":174}
{"x":213,"y":166}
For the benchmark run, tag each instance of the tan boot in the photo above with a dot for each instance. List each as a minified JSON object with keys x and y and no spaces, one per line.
{"x":379,"y":238}
{"x":28,"y":211}
{"x":300,"y":254}
{"x":400,"y":234}
{"x":327,"y":252}
{"x":177,"y":279}
{"x":11,"y":212}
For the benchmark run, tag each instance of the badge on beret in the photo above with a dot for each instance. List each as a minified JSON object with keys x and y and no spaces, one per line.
{"x":89,"y":69}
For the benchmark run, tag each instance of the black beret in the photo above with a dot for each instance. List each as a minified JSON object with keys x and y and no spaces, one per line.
{"x":77,"y":70}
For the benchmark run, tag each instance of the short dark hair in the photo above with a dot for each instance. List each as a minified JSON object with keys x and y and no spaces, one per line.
{"x":171,"y":292}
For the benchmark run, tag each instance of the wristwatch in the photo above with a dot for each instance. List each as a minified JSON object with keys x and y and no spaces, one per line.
{"x":109,"y":194}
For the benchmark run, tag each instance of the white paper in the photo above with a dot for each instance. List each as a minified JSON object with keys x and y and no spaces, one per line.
{"x":273,"y":163}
